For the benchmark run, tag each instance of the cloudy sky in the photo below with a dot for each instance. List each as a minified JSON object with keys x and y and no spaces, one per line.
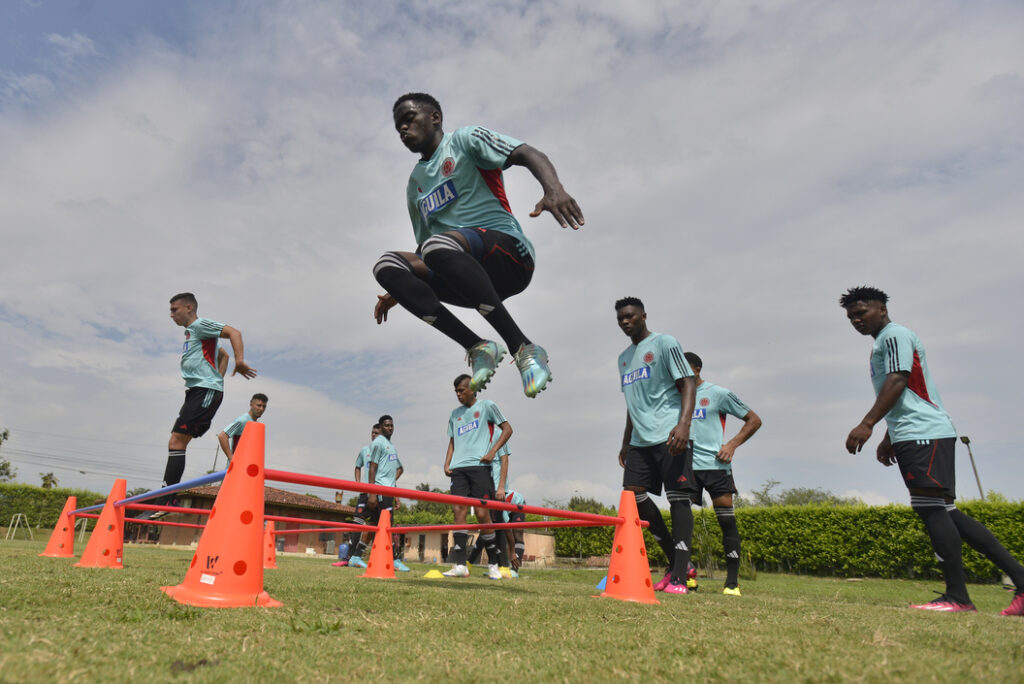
{"x":740,"y":164}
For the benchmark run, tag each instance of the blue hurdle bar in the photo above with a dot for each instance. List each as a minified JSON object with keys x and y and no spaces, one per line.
{"x":205,"y":479}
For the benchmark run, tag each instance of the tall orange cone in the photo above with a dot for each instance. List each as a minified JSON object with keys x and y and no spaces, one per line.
{"x":227,"y":568}
{"x":382,"y":558}
{"x":269,"y":547}
{"x":62,"y":539}
{"x":629,"y":573}
{"x":106,"y":543}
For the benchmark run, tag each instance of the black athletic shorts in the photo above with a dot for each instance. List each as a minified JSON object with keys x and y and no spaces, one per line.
{"x":361,"y":506}
{"x":516,"y":516}
{"x":473,"y":481}
{"x":372,"y":515}
{"x":928,"y":463}
{"x":505,"y":259}
{"x":197,"y":412}
{"x":715,"y":482}
{"x":651,"y":467}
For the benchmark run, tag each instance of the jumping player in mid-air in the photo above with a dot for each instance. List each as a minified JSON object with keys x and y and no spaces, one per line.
{"x":921,"y":439}
{"x":712,"y":461}
{"x":471,"y":251}
{"x":203,"y":381}
{"x":659,"y":388}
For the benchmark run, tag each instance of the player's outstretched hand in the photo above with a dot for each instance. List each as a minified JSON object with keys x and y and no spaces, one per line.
{"x":384,"y":303}
{"x":562,"y":206}
{"x":857,"y":437}
{"x":246,"y":371}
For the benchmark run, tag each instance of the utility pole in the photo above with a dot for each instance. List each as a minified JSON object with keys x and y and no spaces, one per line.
{"x":967,"y":440}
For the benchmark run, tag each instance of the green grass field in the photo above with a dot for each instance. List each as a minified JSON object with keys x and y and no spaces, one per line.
{"x":61,"y":623}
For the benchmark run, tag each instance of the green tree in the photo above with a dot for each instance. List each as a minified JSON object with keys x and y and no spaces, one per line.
{"x":795,"y":496}
{"x":49,"y":480}
{"x":137,"y":490}
{"x":431,"y":507}
{"x":587,"y":505}
{"x":7,"y":472}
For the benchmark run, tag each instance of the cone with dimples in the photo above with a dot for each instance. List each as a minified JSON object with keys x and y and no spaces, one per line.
{"x":62,"y":539}
{"x":629,"y":573}
{"x":382,"y":560}
{"x":227,"y":568}
{"x":106,"y":543}
{"x":269,"y":547}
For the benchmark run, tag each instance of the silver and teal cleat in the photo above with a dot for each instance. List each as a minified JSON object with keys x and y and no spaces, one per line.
{"x":483,"y":358}
{"x":532,"y":361}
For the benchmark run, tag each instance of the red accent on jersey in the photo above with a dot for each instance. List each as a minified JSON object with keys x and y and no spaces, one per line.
{"x":722,"y":417}
{"x":916,"y":383}
{"x":493,"y":179}
{"x":210,"y":351}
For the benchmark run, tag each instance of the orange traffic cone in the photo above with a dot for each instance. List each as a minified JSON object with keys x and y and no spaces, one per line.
{"x":62,"y":539}
{"x":629,"y":573}
{"x":269,"y":547}
{"x":106,"y":542}
{"x":227,"y":568}
{"x":382,"y":558}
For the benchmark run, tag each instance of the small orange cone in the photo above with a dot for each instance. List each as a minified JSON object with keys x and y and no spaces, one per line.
{"x":629,"y":573}
{"x":382,"y":558}
{"x":62,"y":540}
{"x":106,"y":543}
{"x":269,"y":547}
{"x":227,"y":568}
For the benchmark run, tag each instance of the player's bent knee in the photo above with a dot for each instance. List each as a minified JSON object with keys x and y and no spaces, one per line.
{"x":390,"y":260}
{"x":436,"y":244}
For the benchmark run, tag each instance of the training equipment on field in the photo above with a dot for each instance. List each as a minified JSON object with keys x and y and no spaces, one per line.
{"x":629,"y":573}
{"x":382,"y":555}
{"x":434,"y":574}
{"x":227,"y":568}
{"x":106,"y":543}
{"x":269,"y":547}
{"x":62,"y":539}
{"x":603,"y":583}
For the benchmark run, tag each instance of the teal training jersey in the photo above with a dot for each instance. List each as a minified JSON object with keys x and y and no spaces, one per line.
{"x":498,"y":458}
{"x":708,"y":426}
{"x":364,"y":456}
{"x":384,"y":454}
{"x":236,"y":428}
{"x":461,"y":186}
{"x":199,"y":355}
{"x":918,"y":413}
{"x":472,"y":428}
{"x":512,"y":497}
{"x":648,"y":372}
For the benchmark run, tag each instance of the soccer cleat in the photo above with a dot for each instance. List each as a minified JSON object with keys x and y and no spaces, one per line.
{"x":400,"y":566}
{"x":945,"y":604}
{"x":340,"y":564}
{"x":691,"y":584}
{"x":732,"y":591}
{"x":532,"y":361}
{"x":356,"y":562}
{"x":1016,"y":606}
{"x":513,"y":574}
{"x":506,"y":572}
{"x":676,"y":587}
{"x":457,"y":571}
{"x":493,"y":572}
{"x":663,"y":582}
{"x":483,"y":358}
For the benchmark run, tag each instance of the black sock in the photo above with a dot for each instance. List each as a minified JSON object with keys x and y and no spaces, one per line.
{"x":420,"y":300}
{"x":945,"y":541}
{"x":682,"y":533}
{"x":458,"y":550}
{"x":478,"y":548}
{"x":175,"y":467}
{"x":649,"y":512}
{"x":353,"y":541}
{"x":731,"y":543}
{"x":520,"y":549}
{"x":464,"y":274}
{"x":981,"y":539}
{"x":491,"y":544}
{"x":360,"y":549}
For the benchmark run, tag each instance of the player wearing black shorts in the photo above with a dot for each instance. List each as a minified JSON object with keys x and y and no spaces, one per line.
{"x":658,"y":385}
{"x":358,"y":517}
{"x":471,"y":251}
{"x":203,"y":381}
{"x":383,"y":468}
{"x":472,"y":446}
{"x":920,"y":438}
{"x":712,"y":461}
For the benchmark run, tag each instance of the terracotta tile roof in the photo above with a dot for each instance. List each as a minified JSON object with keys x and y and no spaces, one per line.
{"x":280,"y":497}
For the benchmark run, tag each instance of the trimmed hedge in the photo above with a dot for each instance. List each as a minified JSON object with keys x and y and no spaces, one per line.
{"x":843,"y":541}
{"x":41,"y":506}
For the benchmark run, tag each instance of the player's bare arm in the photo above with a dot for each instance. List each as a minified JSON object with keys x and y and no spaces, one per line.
{"x":751,"y":424}
{"x":225,"y":444}
{"x":371,"y":477}
{"x":555,"y":200}
{"x":448,"y":457}
{"x":506,"y":432}
{"x":222,"y":361}
{"x":679,"y":437}
{"x":499,"y":493}
{"x":890,"y":393}
{"x":626,"y":434}
{"x":238,"y":347}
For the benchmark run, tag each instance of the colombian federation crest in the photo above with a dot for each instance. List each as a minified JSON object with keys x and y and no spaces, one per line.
{"x":648,"y":357}
{"x":705,"y":401}
{"x":447,"y":167}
